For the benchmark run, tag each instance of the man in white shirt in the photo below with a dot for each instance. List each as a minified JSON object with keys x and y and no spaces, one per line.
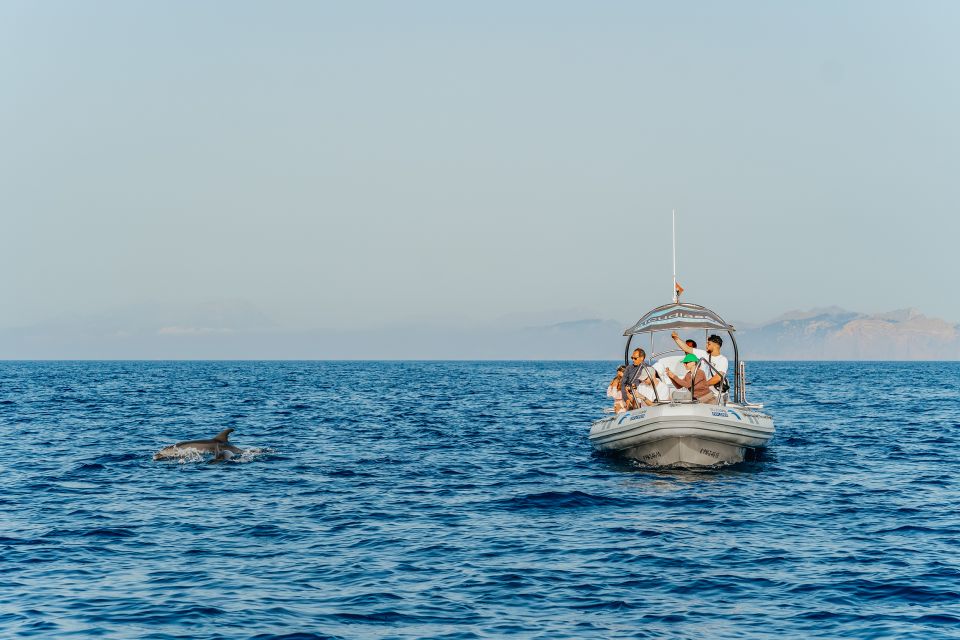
{"x":711,"y":355}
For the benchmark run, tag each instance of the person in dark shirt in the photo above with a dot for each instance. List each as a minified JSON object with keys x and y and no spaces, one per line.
{"x":632,"y":377}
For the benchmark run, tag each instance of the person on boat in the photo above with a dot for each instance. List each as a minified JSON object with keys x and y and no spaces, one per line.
{"x":615,"y":390}
{"x":634,"y":375}
{"x":701,"y":390}
{"x":711,"y":355}
{"x":651,"y":388}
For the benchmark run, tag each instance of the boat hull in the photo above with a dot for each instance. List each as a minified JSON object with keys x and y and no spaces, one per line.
{"x":684,"y":435}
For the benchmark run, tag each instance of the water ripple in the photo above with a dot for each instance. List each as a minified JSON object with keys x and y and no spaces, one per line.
{"x":393,"y":500}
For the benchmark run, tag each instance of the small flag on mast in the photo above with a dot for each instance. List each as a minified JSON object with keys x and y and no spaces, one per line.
{"x":679,"y":288}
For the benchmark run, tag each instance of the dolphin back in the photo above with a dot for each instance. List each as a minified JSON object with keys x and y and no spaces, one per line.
{"x":216,"y":445}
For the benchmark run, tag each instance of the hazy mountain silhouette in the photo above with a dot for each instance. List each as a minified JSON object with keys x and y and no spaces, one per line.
{"x":237,"y":330}
{"x":837,"y":334}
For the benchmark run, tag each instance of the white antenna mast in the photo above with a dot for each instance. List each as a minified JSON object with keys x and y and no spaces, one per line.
{"x":674,"y":256}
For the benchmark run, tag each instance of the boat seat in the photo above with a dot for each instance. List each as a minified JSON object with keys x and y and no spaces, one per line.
{"x":663,"y":393}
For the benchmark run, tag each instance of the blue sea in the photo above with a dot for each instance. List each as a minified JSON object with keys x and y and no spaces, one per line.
{"x":462,"y":500}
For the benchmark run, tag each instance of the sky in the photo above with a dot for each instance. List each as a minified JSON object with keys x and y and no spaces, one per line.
{"x":361,"y":165}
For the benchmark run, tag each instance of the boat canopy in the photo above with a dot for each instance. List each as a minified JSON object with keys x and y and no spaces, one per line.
{"x":680,"y":315}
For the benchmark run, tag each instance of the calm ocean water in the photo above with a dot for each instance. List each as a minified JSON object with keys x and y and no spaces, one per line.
{"x":462,"y":500}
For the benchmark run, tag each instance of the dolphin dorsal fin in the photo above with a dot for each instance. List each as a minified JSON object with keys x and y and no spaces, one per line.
{"x":223,"y":435}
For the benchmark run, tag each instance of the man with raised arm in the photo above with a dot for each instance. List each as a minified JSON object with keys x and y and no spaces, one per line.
{"x":711,"y":355}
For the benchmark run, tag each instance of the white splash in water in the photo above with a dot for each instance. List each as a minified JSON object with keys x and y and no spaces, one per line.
{"x":190,"y":455}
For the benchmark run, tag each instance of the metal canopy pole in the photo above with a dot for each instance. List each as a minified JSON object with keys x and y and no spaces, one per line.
{"x":736,"y":370}
{"x":674,"y":222}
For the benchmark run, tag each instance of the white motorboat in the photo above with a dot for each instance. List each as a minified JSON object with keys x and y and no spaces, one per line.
{"x":676,"y":430}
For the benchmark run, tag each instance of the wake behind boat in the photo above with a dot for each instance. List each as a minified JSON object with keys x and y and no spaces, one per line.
{"x":677,"y":430}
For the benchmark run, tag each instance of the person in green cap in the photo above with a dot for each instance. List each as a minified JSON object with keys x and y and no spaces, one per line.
{"x":701,"y":390}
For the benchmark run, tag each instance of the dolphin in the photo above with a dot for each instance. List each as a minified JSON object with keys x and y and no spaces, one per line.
{"x":218,"y":446}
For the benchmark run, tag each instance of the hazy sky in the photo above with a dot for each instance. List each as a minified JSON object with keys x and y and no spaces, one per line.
{"x":369,"y":163}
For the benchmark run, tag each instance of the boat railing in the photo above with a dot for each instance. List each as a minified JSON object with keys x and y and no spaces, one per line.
{"x":652,"y":378}
{"x":742,"y":381}
{"x":660,"y":354}
{"x":710,"y":366}
{"x":651,"y":375}
{"x":670,"y":400}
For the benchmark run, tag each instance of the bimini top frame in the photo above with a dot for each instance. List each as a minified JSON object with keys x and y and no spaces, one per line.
{"x":677,"y":316}
{"x":680,"y":316}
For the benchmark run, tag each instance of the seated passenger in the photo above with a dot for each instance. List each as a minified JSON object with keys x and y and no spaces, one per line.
{"x":701,"y":390}
{"x":615,"y":390}
{"x":719,"y":363}
{"x":635,"y":372}
{"x":641,"y":398}
{"x":652,"y":388}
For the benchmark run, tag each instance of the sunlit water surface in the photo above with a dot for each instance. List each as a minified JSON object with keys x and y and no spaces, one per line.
{"x":462,"y":500}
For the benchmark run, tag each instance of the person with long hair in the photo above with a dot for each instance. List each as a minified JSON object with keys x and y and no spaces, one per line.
{"x":615,"y":390}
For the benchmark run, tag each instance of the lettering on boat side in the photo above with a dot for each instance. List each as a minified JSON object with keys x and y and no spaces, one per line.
{"x":708,"y":452}
{"x":632,"y":417}
{"x":719,"y":414}
{"x":653,"y":454}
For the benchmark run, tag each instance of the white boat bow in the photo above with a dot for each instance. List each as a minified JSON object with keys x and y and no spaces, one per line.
{"x":684,"y":434}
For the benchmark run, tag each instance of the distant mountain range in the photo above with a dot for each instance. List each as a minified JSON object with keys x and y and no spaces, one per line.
{"x":833,"y":333}
{"x":239,"y":331}
{"x":829,"y":333}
